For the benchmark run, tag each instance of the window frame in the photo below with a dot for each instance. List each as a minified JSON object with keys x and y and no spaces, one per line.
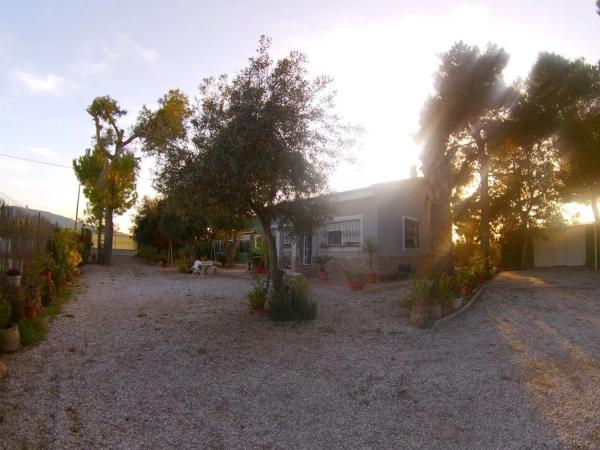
{"x":418,"y":222}
{"x":342,"y":247}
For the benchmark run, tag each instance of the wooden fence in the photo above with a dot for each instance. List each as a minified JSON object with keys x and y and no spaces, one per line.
{"x":23,"y":236}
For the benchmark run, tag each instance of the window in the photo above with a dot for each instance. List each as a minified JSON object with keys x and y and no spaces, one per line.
{"x":287,"y":236}
{"x":244,"y":246}
{"x":343,"y":233}
{"x":411,"y":233}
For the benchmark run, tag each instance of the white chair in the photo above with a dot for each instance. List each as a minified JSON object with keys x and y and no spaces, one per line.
{"x":196,"y":269}
{"x":210,"y":269}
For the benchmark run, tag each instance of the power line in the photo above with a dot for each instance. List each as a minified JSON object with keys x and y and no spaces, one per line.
{"x":53,"y":164}
{"x":35,"y":161}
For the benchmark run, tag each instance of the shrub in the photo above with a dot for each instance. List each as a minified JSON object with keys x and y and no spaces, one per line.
{"x":221,"y":257}
{"x":258,"y":295}
{"x":32,"y":331}
{"x":291,"y":300}
{"x":183,"y":265}
{"x":357,"y":277}
{"x":422,"y":289}
{"x":85,"y":244}
{"x":151,"y":253}
{"x":444,"y":289}
{"x":5,"y":313}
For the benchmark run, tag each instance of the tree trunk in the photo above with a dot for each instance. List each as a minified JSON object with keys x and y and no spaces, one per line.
{"x":596,"y":223}
{"x":441,"y":219}
{"x":108,"y":237}
{"x":525,"y":248}
{"x":484,"y":204}
{"x":231,"y":248}
{"x":271,"y":249}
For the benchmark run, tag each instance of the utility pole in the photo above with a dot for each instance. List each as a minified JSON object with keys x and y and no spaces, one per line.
{"x":77,"y":207}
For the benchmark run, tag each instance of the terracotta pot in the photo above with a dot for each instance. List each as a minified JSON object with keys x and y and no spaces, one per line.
{"x":435,"y":311}
{"x":356,"y":285}
{"x":259,"y":312}
{"x":31,"y":311}
{"x":467,"y":291}
{"x":323,"y":275}
{"x":14,"y":280}
{"x":371,"y":277}
{"x":447,"y":310}
{"x":10,"y":339}
{"x":418,"y":316}
{"x":420,"y":303}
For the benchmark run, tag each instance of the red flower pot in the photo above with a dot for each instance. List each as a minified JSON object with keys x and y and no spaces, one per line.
{"x":31,"y":311}
{"x":371,"y":277}
{"x":258,"y":312}
{"x":420,"y":303}
{"x":323,"y":275}
{"x":356,"y":285}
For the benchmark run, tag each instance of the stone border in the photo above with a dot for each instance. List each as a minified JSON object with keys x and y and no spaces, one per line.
{"x":448,"y":318}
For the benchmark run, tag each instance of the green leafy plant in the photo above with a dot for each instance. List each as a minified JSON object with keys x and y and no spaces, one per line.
{"x":422,"y":289}
{"x":444,"y":289}
{"x":322,"y":261}
{"x":258,"y":295}
{"x":5,"y":313}
{"x":292,"y":301}
{"x":356,"y":277}
{"x":370,"y":248}
{"x":221,"y":258}
{"x":183,"y":265}
{"x":32,"y":331}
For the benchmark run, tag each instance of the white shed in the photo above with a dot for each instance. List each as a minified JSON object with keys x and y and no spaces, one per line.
{"x":561,"y":247}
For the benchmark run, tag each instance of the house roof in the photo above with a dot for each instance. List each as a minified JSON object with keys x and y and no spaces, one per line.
{"x":371,"y":191}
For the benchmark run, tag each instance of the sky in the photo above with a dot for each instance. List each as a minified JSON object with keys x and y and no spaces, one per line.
{"x":56,"y":56}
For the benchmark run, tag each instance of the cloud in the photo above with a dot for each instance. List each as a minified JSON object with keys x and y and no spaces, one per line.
{"x":48,"y":83}
{"x":149,"y":55}
{"x":84,"y":69}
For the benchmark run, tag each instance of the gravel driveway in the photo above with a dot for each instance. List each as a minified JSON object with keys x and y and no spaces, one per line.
{"x":143,"y":358}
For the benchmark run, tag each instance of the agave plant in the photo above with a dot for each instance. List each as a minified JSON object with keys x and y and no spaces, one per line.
{"x":422,"y":289}
{"x":322,"y":261}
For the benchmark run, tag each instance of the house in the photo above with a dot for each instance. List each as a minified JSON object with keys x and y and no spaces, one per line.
{"x":394,"y":214}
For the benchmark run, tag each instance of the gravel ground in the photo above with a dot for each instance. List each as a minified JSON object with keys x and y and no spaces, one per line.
{"x":143,"y":358}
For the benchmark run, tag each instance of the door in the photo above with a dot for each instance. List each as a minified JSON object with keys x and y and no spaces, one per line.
{"x":306,"y":249}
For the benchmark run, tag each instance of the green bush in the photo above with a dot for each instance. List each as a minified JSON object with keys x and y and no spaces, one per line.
{"x":85,"y":244}
{"x":422,"y":289}
{"x":151,"y":253}
{"x":291,"y":301}
{"x":258,"y":295}
{"x":32,"y":331}
{"x":357,"y":277}
{"x":221,"y":257}
{"x":5,"y":313}
{"x":183,"y":265}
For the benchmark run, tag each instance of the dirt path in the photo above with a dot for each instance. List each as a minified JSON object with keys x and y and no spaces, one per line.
{"x":149,"y":359}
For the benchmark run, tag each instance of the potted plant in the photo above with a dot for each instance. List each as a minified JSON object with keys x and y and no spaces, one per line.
{"x":467,"y":283}
{"x":370,"y":247}
{"x":257,"y":298}
{"x":322,"y":262}
{"x":356,"y":280}
{"x":10,"y":339}
{"x":32,"y":302}
{"x":14,"y":277}
{"x":421,"y":294}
